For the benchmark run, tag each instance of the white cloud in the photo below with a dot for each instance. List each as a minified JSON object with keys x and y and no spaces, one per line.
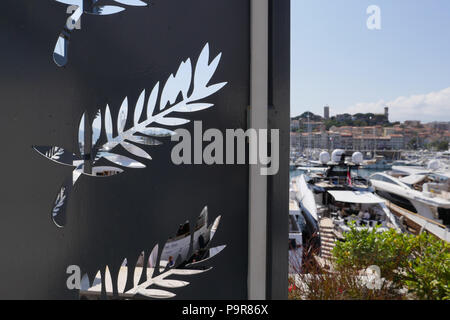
{"x":433,"y":106}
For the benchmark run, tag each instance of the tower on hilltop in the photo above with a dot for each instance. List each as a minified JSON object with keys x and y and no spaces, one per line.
{"x":326,"y":112}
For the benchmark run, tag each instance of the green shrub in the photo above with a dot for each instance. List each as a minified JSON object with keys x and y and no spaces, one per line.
{"x":419,"y":263}
{"x":427,"y":274}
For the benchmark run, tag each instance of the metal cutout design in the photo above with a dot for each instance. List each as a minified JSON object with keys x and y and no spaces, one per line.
{"x":60,"y":53}
{"x":158,"y":271}
{"x":191,"y":85}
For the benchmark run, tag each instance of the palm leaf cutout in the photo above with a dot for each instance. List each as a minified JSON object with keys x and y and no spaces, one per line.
{"x":143,"y":129}
{"x":60,"y":199}
{"x":54,"y":153}
{"x":157,"y":282}
{"x":60,"y":53}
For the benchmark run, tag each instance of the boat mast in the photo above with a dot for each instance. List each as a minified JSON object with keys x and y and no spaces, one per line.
{"x":375,"y":144}
{"x":309,"y":138}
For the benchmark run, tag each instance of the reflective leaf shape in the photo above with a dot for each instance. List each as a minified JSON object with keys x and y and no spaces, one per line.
{"x":108,"y":280}
{"x":85,"y":282}
{"x":157,"y":132}
{"x":61,"y":50}
{"x":203,"y":70}
{"x":145,"y":140}
{"x":122,"y":160}
{"x":135,"y":150}
{"x":96,"y":127}
{"x":189,"y":272}
{"x":132,"y":2}
{"x":122,"y":282}
{"x":206,"y":92}
{"x":60,"y":199}
{"x":97,"y":280}
{"x":81,"y":133}
{"x":156,"y":293}
{"x":153,"y":257}
{"x":138,"y":269}
{"x":171,"y":284}
{"x":172,"y":121}
{"x":139,"y":108}
{"x":58,"y":213}
{"x":57,"y":154}
{"x":195,"y":107}
{"x":60,"y":53}
{"x":108,"y":124}
{"x":152,"y":101}
{"x":105,"y":10}
{"x":123,"y":115}
{"x":57,"y":208}
{"x":176,"y":84}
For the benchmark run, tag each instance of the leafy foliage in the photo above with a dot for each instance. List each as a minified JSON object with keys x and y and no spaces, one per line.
{"x":318,"y":279}
{"x":439,"y":145}
{"x":308,"y":114}
{"x":427,"y":273}
{"x":419,"y":263}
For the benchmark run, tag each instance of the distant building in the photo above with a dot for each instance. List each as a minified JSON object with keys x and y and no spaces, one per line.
{"x":413,"y":123}
{"x":397,"y":141}
{"x":375,"y":136}
{"x":296,"y":140}
{"x":446,"y":136}
{"x":388,"y":131}
{"x":311,"y":125}
{"x":438,"y":125}
{"x":295,"y":125}
{"x":326,"y":112}
{"x":346,"y":141}
{"x":372,"y":130}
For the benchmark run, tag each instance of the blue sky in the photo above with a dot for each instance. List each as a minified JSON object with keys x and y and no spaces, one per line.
{"x":337,"y":60}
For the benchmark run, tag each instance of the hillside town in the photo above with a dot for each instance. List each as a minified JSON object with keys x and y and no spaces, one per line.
{"x":366,"y":132}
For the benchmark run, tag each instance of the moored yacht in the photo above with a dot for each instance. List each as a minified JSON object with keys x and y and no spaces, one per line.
{"x":418,"y":190}
{"x":178,"y":247}
{"x":340,"y":196}
{"x":377,"y":163}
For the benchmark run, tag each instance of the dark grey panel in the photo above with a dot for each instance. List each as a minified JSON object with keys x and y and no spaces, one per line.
{"x":112,"y":57}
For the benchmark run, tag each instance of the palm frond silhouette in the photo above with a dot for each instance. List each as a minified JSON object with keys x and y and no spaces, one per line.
{"x":155,"y":278}
{"x":183,"y":93}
